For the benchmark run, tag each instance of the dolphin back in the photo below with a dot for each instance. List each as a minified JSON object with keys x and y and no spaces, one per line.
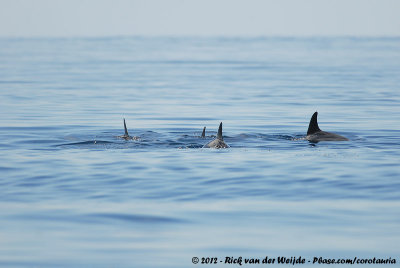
{"x":218,"y":143}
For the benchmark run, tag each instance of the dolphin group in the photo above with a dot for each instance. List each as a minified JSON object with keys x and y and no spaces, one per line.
{"x":314,"y":135}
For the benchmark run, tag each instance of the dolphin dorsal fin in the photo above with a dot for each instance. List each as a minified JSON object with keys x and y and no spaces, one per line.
{"x":313,"y":127}
{"x":219,"y":135}
{"x":203,"y":135}
{"x":126,"y":130}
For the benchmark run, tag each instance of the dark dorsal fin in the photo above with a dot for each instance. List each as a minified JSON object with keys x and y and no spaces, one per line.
{"x":126,"y":130}
{"x":219,"y":135}
{"x":203,"y":135}
{"x":313,"y":127}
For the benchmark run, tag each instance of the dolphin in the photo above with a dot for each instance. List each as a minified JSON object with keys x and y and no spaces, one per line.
{"x":218,"y":143}
{"x":315,"y":134}
{"x":126,"y":135}
{"x":203,"y":135}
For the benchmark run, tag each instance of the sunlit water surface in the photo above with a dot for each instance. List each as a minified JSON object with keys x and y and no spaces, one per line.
{"x":72,"y":194}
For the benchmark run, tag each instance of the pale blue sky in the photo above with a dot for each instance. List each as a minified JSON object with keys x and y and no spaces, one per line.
{"x":201,"y":17}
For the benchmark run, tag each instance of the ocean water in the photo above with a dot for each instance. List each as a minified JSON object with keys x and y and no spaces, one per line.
{"x":73,"y":194}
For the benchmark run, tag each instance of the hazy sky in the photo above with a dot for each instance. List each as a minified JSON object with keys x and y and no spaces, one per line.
{"x":200,"y":17}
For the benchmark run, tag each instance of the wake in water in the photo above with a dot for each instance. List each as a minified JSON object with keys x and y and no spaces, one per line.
{"x":185,"y":140}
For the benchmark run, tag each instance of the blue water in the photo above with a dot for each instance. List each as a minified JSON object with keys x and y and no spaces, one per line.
{"x":72,"y":194}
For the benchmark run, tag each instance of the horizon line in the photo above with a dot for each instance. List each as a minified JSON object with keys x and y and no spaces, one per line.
{"x":227,"y":36}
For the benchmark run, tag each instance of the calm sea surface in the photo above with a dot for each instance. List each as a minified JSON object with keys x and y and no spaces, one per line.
{"x":72,"y":194}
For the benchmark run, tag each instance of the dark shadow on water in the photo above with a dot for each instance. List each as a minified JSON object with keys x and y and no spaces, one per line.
{"x":135,"y":218}
{"x":86,"y":143}
{"x":97,"y":218}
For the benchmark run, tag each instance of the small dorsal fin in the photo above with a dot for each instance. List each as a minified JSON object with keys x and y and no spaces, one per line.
{"x":203,"y":135}
{"x":126,"y":130}
{"x":313,"y":127}
{"x":219,"y":135}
